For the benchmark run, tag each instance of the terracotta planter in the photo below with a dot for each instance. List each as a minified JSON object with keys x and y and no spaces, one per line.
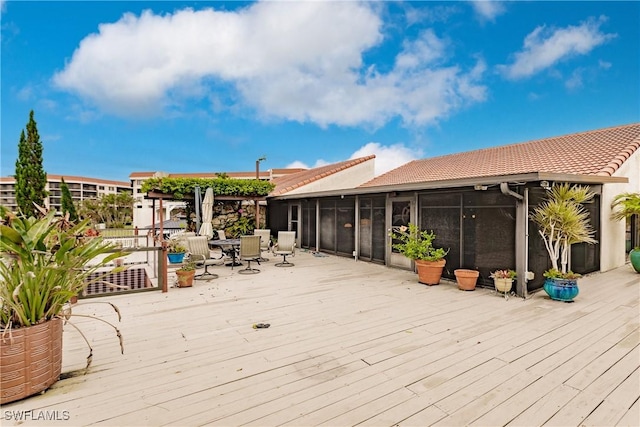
{"x":503,"y":285}
{"x":430,"y":272}
{"x":30,"y":360}
{"x":185,"y":278}
{"x":466,"y":279}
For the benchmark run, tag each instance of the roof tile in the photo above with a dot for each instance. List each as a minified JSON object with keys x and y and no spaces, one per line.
{"x":598,"y":152}
{"x":290,"y":182}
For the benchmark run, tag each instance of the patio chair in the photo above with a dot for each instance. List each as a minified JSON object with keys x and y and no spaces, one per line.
{"x":250,"y":251}
{"x":200,"y":253}
{"x":286,"y":246}
{"x":265,"y":241}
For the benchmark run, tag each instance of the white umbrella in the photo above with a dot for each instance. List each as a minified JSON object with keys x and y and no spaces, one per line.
{"x":207,"y":214}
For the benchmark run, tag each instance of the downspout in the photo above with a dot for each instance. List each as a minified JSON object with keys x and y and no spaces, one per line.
{"x":522,"y":252}
{"x":504,"y":187}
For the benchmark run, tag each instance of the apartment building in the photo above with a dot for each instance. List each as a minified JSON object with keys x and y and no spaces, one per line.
{"x":80,"y":187}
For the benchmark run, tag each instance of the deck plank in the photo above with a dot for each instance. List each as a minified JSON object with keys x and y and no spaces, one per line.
{"x":353,"y":343}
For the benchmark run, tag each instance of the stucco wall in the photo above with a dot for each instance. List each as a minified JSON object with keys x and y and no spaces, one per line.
{"x":348,"y":178}
{"x":612,"y":242}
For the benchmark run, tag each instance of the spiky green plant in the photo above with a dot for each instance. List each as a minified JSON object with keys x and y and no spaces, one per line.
{"x":625,"y":206}
{"x":563,"y":220}
{"x":44,"y":262}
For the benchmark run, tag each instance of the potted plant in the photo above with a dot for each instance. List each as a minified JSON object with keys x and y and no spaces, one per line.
{"x":176,"y":251}
{"x":417,"y":245}
{"x":626,"y":206}
{"x":562,"y":221}
{"x":503,"y":279}
{"x":44,"y":262}
{"x":466,"y":279}
{"x":186,"y":273}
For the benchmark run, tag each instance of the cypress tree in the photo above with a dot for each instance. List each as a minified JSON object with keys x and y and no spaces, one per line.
{"x":31,"y":179}
{"x":66,"y":202}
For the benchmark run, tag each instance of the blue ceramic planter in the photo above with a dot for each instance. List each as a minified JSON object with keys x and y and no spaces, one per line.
{"x":175,"y":258}
{"x":561,"y":289}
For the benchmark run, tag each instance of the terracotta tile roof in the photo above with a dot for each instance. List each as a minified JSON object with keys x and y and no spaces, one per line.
{"x":286,"y":183}
{"x":599,"y":152}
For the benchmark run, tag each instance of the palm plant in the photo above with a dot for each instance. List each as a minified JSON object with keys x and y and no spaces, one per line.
{"x":563,"y":220}
{"x":44,"y":262}
{"x":624,"y":206}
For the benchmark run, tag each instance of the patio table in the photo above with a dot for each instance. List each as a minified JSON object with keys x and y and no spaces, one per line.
{"x":235,"y":243}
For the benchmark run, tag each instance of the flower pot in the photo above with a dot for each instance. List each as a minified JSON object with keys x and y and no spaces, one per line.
{"x":430,"y":272}
{"x":634,"y":257}
{"x":466,"y":279}
{"x":175,"y":258}
{"x":503,"y":285}
{"x":30,"y":359}
{"x":185,"y":278}
{"x":561,"y":289}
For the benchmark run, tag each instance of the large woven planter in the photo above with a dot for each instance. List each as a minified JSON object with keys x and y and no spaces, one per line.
{"x":466,"y":279}
{"x":430,"y":272}
{"x":30,"y":360}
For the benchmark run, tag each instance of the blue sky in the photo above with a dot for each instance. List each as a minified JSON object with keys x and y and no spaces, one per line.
{"x":128,"y":86}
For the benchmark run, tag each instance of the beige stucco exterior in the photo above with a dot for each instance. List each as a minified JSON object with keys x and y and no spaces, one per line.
{"x":612,"y":244}
{"x":348,"y":178}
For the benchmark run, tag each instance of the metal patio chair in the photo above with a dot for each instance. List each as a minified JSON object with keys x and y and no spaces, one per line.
{"x":286,"y":246}
{"x":200,"y":253}
{"x":265,"y":241}
{"x":250,"y":251}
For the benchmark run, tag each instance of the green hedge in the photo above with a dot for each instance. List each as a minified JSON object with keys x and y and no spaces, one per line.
{"x":180,"y":187}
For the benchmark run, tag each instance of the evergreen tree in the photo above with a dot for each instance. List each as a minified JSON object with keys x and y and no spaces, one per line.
{"x":66,"y":201}
{"x":31,"y":179}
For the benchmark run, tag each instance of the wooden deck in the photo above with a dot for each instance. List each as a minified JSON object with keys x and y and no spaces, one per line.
{"x":351,"y":343}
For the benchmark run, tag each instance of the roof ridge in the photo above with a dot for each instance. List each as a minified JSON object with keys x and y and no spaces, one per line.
{"x":335,"y":167}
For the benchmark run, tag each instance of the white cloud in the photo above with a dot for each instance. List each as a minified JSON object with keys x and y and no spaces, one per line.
{"x":575,"y":81}
{"x":545,"y":47}
{"x":488,"y":10}
{"x":388,"y":157}
{"x":299,"y":61}
{"x":299,"y":164}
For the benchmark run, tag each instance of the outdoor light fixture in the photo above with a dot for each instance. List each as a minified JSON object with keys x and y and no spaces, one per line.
{"x":261,"y":159}
{"x":545,"y":185}
{"x":480,"y":187}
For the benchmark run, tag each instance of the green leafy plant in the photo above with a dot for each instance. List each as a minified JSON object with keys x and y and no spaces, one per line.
{"x":503,"y":274}
{"x":188,"y":265}
{"x":180,"y":187}
{"x":45,"y":262}
{"x":417,"y":244}
{"x":554,"y":273}
{"x":175,"y":247}
{"x":242,"y":227}
{"x":562,"y":221}
{"x":625,"y":206}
